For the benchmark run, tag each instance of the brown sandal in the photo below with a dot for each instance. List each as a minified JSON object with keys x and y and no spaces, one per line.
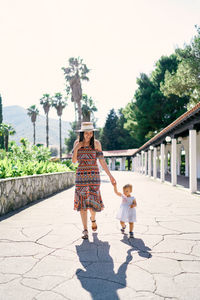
{"x":94,"y":226}
{"x":85,"y":234}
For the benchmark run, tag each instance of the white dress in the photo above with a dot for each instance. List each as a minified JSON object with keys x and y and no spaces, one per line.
{"x":126,"y":213}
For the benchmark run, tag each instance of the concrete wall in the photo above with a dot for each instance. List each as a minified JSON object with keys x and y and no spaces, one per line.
{"x":19,"y":191}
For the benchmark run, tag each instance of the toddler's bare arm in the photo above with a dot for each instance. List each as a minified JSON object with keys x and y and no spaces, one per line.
{"x":116,"y":191}
{"x":134,"y":204}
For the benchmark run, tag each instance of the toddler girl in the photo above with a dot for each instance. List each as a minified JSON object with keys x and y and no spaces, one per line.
{"x":127,"y":211}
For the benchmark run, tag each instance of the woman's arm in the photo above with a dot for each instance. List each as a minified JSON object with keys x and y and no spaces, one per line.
{"x":77,"y":145}
{"x":103,"y":162}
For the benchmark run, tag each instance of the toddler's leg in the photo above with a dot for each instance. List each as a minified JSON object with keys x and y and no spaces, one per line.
{"x":131,"y":226}
{"x":123,"y":226}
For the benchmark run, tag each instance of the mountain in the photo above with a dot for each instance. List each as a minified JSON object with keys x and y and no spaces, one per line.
{"x":18,"y":118}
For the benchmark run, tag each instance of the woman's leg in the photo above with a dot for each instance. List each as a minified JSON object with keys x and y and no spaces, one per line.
{"x":84,"y":218}
{"x":93,"y":220}
{"x":93,"y":214}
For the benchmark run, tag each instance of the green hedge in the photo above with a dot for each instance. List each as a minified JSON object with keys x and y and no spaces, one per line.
{"x":29,"y":160}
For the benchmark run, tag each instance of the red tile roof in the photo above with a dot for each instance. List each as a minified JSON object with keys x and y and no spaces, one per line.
{"x":119,"y":153}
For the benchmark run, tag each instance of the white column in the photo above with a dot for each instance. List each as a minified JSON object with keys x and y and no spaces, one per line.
{"x":120,"y":166}
{"x":154,"y":162}
{"x":110,"y":163}
{"x":136,"y":163}
{"x":113,"y":164}
{"x":123,"y":163}
{"x":149,"y":162}
{"x":132,"y":167}
{"x":178,"y":160}
{"x":193,"y":159}
{"x":186,"y":162}
{"x":142,"y":162}
{"x":166,"y":160}
{"x":162,"y":162}
{"x":145,"y":163}
{"x":173,"y":162}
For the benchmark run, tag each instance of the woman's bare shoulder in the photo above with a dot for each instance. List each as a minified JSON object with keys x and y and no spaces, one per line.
{"x":98,"y":145}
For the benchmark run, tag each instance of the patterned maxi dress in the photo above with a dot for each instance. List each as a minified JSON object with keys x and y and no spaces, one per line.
{"x":87,"y":184}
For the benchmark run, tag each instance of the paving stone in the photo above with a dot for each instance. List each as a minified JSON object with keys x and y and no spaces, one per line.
{"x":42,"y":282}
{"x":14,"y":290}
{"x":8,"y":249}
{"x":50,"y":296}
{"x":165,"y":286}
{"x":191,"y":266}
{"x":176,"y":256}
{"x":157,"y":265}
{"x":42,"y":255}
{"x":183,"y":226}
{"x":7,"y":233}
{"x":196,"y":249}
{"x":55,"y":266}
{"x":17,"y":265}
{"x":5,"y":278}
{"x":170,"y":244}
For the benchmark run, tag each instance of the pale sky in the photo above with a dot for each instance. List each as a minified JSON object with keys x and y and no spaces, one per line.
{"x":117,"y":39}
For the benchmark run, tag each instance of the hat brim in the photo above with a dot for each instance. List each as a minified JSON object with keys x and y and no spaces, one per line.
{"x":94,"y":129}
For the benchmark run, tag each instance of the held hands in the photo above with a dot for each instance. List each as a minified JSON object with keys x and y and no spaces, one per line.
{"x":112,"y":180}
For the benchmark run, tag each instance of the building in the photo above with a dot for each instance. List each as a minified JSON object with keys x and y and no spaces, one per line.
{"x":174,"y":152}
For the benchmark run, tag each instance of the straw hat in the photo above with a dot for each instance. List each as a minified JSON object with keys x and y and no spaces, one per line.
{"x":87,"y":126}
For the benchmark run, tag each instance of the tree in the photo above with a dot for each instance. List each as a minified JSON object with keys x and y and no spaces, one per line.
{"x":74,"y":73}
{"x":59,"y":104}
{"x":88,"y":108}
{"x":186,"y":80}
{"x":150,"y":111}
{"x":33,"y":112}
{"x":1,"y":121}
{"x":125,"y":139}
{"x":6,"y":130}
{"x":109,"y":134}
{"x":46,"y":102}
{"x":69,"y":142}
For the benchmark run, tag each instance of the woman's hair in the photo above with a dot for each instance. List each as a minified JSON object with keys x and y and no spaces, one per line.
{"x":81,"y":138}
{"x":128,"y":186}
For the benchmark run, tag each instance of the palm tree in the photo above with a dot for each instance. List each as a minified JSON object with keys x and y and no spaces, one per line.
{"x":59,"y":104}
{"x":46,"y":102}
{"x":74,"y":73}
{"x":6,"y":130}
{"x":88,"y":108}
{"x":33,"y":112}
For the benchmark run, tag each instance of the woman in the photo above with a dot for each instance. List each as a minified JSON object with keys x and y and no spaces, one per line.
{"x":87,"y":194}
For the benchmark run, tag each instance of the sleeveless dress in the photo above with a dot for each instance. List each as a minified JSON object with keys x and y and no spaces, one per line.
{"x":127,"y":213}
{"x":87,"y":183}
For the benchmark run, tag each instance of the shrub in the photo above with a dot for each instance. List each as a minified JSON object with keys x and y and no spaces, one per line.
{"x":29,"y":160}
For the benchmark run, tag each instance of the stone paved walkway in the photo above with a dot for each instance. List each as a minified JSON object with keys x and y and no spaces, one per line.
{"x":43,"y":257}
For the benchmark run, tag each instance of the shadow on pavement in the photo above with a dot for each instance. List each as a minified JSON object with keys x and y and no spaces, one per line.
{"x":137,"y":245}
{"x":99,"y":278}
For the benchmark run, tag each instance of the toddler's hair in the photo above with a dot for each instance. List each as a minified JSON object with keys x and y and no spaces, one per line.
{"x":128,"y":186}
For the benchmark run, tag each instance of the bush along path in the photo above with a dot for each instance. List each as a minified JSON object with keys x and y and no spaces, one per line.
{"x":29,"y":160}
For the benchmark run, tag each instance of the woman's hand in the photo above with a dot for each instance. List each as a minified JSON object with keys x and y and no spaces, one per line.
{"x":112,"y":180}
{"x":79,"y":145}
